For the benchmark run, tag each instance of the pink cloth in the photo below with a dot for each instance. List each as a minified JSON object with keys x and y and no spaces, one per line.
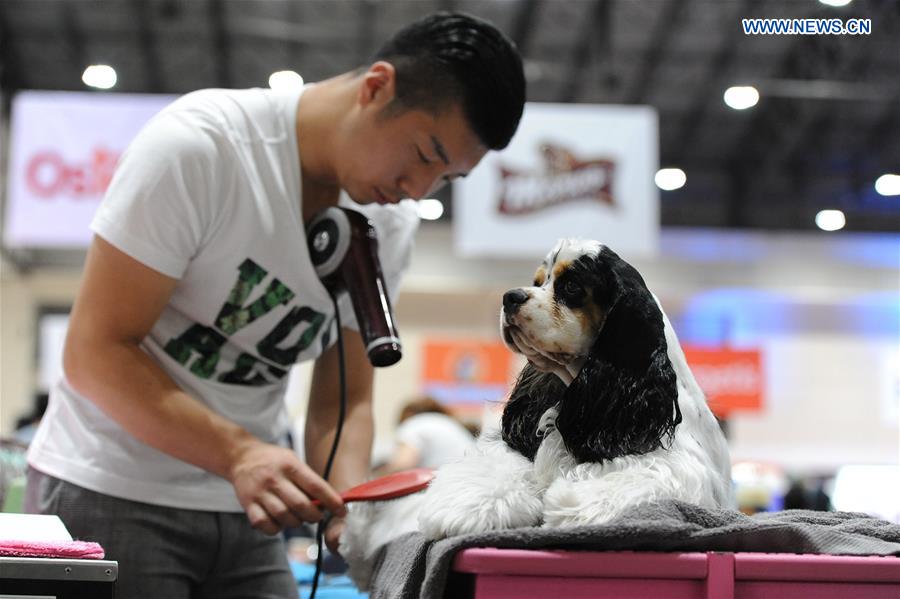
{"x":70,"y":549}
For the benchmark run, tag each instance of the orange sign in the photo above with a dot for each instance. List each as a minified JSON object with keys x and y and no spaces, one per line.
{"x":467,"y":361}
{"x":467,"y":371}
{"x":731,"y":379}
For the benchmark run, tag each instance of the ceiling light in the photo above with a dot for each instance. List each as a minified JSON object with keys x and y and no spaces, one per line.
{"x":285,"y":80}
{"x":836,"y":2}
{"x":430,"y":209}
{"x":101,"y":76}
{"x":741,"y":97}
{"x":668,"y":179}
{"x":888,"y":185}
{"x":830,"y":220}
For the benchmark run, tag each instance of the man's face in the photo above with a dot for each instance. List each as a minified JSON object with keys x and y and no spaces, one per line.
{"x":390,"y":156}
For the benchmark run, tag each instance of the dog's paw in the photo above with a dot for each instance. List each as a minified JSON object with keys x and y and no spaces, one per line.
{"x":569,"y":503}
{"x":479,"y":494}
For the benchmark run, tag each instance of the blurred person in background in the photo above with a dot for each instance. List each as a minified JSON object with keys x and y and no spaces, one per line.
{"x":163,"y":439}
{"x":808,"y":493}
{"x":428,"y":435}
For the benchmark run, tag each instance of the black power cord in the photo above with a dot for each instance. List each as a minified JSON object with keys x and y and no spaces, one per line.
{"x":342,"y":413}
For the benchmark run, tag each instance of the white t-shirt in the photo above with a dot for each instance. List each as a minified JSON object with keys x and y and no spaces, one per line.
{"x":209,"y":193}
{"x":439,"y":438}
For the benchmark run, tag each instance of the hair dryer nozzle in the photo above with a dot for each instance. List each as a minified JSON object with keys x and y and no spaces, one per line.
{"x":344,"y":250}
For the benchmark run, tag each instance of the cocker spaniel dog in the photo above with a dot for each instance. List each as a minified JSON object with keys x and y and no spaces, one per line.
{"x":604,"y":416}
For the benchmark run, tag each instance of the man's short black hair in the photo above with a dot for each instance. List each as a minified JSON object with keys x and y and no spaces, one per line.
{"x":449,"y":57}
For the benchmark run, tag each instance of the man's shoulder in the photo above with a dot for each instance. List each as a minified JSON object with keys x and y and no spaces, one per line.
{"x":217,"y":95}
{"x":227,"y":107}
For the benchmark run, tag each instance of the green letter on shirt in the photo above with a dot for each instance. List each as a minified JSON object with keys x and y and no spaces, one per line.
{"x":197,"y":340}
{"x":234,"y":315}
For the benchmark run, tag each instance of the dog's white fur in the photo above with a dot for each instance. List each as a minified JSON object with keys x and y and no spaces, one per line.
{"x":496,"y":487}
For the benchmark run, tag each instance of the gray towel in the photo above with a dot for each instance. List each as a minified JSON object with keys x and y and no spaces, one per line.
{"x":412,"y":567}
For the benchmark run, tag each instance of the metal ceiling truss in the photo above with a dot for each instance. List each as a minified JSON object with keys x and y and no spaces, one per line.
{"x":793,"y":129}
{"x":74,"y":35}
{"x":709,"y":92}
{"x":523,"y":25}
{"x":365,"y":35}
{"x":789,"y":132}
{"x":666,"y":27}
{"x":220,"y":45}
{"x":10,"y":74}
{"x":595,"y":31}
{"x":147,"y":43}
{"x":772,"y":128}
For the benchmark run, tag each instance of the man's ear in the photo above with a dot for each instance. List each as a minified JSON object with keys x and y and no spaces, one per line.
{"x":378,"y":84}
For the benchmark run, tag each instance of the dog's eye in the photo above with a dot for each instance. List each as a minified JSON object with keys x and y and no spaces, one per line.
{"x":571,"y":288}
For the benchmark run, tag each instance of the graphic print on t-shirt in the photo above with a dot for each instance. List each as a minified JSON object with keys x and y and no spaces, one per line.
{"x":199,"y":348}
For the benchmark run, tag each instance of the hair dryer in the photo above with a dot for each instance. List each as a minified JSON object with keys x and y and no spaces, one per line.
{"x":344,"y":251}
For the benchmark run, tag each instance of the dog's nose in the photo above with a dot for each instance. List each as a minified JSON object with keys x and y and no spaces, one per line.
{"x":512,"y":299}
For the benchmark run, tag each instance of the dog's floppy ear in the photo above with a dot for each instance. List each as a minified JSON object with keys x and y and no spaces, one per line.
{"x":624,"y":400}
{"x":534,"y":393}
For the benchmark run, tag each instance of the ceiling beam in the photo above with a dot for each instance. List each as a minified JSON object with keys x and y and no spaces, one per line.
{"x":786,"y":132}
{"x":666,"y":27}
{"x":279,"y":30}
{"x":881,"y":150}
{"x":764,"y":131}
{"x":813,"y":149}
{"x":880,"y":155}
{"x":844,"y":62}
{"x":11,"y":79}
{"x":147,"y":44}
{"x":221,"y":48}
{"x":73,"y":32}
{"x":710,"y":89}
{"x":596,"y":26}
{"x":365,"y":31}
{"x":523,"y":24}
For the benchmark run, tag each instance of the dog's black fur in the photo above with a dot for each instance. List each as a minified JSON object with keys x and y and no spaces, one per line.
{"x":624,"y":400}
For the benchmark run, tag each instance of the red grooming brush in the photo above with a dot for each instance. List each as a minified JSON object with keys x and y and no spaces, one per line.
{"x":391,"y":486}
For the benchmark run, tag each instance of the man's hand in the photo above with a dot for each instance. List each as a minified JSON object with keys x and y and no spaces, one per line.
{"x":333,"y":533}
{"x":275,"y":487}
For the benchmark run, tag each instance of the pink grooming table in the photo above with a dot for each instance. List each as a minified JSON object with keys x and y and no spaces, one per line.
{"x":487,"y":573}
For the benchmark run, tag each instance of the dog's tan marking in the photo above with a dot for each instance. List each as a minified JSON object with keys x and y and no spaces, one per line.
{"x":560,"y":267}
{"x":589,"y":316}
{"x":593,"y":311}
{"x":556,"y":313}
{"x":540,"y":276}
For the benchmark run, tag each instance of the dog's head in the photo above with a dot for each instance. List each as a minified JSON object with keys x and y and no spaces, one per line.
{"x":590,"y":320}
{"x":555,"y":322}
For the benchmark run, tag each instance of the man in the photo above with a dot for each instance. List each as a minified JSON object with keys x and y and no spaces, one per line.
{"x":161,"y":441}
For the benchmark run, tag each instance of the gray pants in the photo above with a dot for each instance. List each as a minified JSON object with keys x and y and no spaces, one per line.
{"x":168,"y":552}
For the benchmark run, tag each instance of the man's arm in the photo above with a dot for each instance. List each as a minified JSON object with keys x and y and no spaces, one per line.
{"x":352,"y":461}
{"x":118,"y":302}
{"x":351,"y":464}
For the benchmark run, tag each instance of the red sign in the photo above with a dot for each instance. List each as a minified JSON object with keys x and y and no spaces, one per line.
{"x":731,"y":379}
{"x":47,"y":174}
